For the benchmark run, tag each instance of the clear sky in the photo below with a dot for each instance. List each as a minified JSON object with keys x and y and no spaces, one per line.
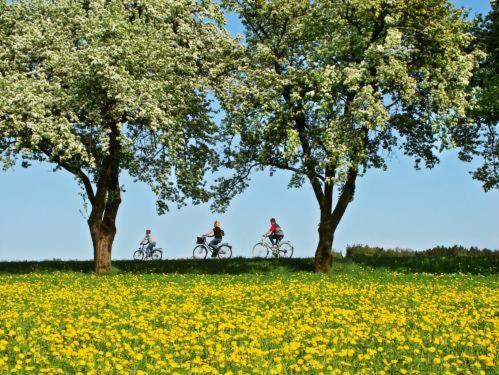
{"x":402,"y":207}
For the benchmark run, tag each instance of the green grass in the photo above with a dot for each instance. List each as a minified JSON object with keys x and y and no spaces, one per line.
{"x":486,"y":265}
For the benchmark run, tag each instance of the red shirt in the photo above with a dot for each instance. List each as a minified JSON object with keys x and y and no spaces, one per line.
{"x":275,"y":229}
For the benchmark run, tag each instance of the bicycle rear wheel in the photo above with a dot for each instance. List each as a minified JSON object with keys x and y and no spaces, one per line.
{"x":156,"y":255}
{"x":199,"y":252}
{"x":224,"y":252}
{"x":138,"y":255}
{"x":260,"y":251}
{"x":285,"y":250}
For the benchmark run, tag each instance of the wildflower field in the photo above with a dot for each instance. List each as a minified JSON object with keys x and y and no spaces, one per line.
{"x":354,"y":320}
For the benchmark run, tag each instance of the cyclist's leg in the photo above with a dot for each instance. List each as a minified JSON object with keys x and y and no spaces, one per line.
{"x":213,"y":244}
{"x":272,"y":238}
{"x":150,"y":247}
{"x":278,"y":238}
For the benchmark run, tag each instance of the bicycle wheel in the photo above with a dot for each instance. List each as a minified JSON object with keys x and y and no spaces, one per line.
{"x":199,"y":252}
{"x":138,"y":255}
{"x":260,"y":251}
{"x":224,"y":252}
{"x":285,"y":250}
{"x":157,"y":254}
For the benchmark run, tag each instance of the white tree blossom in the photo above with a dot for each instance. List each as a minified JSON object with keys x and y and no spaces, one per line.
{"x":326,"y":89}
{"x":98,"y":87}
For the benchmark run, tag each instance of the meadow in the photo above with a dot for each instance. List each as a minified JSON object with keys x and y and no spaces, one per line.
{"x":245,"y":316}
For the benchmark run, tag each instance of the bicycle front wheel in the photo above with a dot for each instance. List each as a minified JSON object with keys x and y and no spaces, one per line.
{"x":199,"y":252}
{"x":285,"y":250}
{"x":224,"y":252}
{"x":260,"y":251}
{"x":157,"y":255}
{"x":138,"y":255}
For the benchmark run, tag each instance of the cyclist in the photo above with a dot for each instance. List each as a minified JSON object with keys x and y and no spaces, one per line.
{"x":217,"y":233}
{"x":149,"y":241}
{"x":275,"y":232}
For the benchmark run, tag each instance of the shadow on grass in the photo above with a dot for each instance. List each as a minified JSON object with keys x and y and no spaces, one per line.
{"x":477,"y":265}
{"x":233,"y":266}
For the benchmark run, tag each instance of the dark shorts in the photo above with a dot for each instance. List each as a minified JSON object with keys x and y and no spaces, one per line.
{"x":275,"y":238}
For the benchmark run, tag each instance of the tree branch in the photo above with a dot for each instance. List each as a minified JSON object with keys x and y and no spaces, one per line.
{"x":288,"y":167}
{"x":329,"y":173}
{"x":74,"y":170}
{"x":307,"y":155}
{"x":345,"y":198}
{"x":226,"y":188}
{"x":113,"y":199}
{"x":83,"y":178}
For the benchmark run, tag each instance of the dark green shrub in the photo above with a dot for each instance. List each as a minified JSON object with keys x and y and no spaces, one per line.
{"x":439,"y":259}
{"x":355,"y":251}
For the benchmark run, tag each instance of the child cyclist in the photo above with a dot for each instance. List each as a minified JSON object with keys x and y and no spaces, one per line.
{"x":149,"y":241}
{"x":275,"y":232}
{"x":217,"y":233}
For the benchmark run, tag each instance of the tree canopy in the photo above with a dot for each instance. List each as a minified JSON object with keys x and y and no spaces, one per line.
{"x":329,"y":89}
{"x":100,"y":87}
{"x":481,"y":137}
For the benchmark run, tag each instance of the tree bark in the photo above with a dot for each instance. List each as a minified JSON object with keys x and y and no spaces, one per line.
{"x":324,"y":254}
{"x":107,"y":200}
{"x":329,"y":220}
{"x":102,"y":240}
{"x":102,"y":225}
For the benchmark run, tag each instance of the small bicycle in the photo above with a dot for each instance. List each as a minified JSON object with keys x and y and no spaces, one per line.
{"x":264,"y":248}
{"x":221,"y":251}
{"x":143,"y":254}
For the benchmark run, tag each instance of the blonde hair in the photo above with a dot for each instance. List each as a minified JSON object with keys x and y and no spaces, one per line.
{"x":216,"y":223}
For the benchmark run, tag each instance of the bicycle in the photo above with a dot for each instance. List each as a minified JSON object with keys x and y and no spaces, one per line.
{"x":143,"y":254}
{"x":223,"y":250}
{"x":264,"y":248}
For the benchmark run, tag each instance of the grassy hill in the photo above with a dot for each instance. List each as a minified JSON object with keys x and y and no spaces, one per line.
{"x":485,"y":265}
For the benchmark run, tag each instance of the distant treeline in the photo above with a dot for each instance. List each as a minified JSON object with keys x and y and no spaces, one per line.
{"x":356,"y":251}
{"x":440,"y":259}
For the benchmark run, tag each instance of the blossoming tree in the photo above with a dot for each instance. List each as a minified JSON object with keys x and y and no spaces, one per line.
{"x":101,"y":87}
{"x":480,"y":141}
{"x":328,"y":89}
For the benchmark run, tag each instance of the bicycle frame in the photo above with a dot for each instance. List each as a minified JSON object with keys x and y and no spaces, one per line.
{"x":203,"y":249}
{"x":275,"y":250}
{"x":211,"y":249}
{"x":208,"y":249}
{"x":268,"y":244}
{"x":147,"y":254}
{"x":143,"y":248}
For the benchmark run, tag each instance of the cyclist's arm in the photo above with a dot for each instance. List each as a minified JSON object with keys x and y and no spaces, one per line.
{"x":209,"y":234}
{"x":271,"y":229}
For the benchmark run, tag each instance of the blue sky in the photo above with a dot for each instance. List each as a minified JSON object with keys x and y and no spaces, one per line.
{"x":402,"y":207}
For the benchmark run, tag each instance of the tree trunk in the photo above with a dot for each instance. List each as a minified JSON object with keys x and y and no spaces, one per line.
{"x":324,"y":253}
{"x":102,"y":224}
{"x":107,"y":200}
{"x":330,"y":220}
{"x":102,"y":240}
